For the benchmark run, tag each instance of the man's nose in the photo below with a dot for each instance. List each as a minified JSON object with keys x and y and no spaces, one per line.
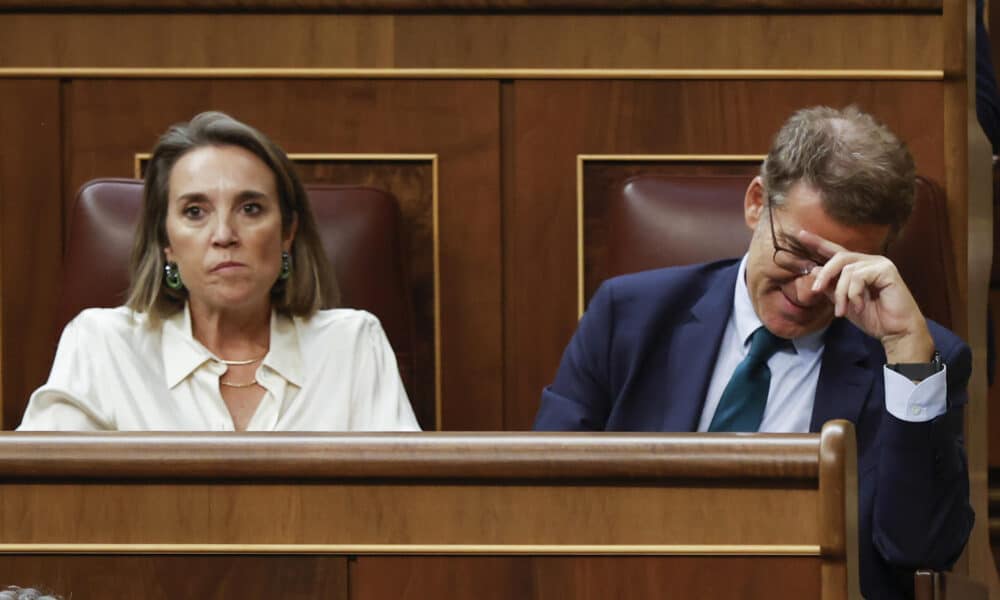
{"x":804,"y":293}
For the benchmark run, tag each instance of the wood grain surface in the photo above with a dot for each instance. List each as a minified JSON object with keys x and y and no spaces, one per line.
{"x":476,"y":5}
{"x":31,"y":196}
{"x":584,"y":578}
{"x":171,"y":577}
{"x":618,"y":40}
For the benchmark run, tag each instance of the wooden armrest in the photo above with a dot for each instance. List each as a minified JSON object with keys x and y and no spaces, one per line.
{"x":939,"y":585}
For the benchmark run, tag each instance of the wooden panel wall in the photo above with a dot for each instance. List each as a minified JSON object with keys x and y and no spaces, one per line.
{"x":900,"y":40}
{"x":268,"y":577}
{"x":490,"y":336}
{"x":166,"y":577}
{"x":507,"y":94}
{"x":31,"y":133}
{"x":583,"y":578}
{"x":507,"y":147}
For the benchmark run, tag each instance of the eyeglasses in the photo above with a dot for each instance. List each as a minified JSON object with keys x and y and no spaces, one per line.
{"x":798,"y":261}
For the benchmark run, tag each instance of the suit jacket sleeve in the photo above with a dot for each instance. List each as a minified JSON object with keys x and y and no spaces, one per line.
{"x":579,"y":398}
{"x":922,"y":516}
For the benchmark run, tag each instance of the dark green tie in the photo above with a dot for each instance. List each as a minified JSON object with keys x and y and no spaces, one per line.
{"x":742,"y":405}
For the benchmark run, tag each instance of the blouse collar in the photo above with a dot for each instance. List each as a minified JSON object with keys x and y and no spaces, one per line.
{"x":182,"y":354}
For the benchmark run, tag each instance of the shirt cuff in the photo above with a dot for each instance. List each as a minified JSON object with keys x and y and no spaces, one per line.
{"x":916,"y":402}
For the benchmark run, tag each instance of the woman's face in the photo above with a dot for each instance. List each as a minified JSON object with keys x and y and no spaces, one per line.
{"x":224,"y":228}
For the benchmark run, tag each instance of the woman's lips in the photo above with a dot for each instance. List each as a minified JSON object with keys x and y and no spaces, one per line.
{"x":225,"y":266}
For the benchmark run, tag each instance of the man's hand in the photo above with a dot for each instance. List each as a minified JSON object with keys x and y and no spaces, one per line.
{"x":868,"y":290}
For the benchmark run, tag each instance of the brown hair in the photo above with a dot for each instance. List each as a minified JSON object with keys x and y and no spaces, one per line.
{"x":864,"y":173}
{"x":311,"y":285}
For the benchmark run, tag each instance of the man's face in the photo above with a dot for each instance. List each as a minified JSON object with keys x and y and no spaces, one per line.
{"x":783,"y":298}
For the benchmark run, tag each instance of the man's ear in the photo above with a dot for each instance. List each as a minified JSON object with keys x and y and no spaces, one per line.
{"x":754,"y":202}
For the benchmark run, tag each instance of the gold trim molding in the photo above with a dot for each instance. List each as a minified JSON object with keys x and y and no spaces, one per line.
{"x":582,"y":159}
{"x":463,"y":73}
{"x":475,"y":549}
{"x":436,"y":259}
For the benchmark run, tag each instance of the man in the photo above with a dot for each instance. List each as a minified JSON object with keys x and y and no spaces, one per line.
{"x":812,"y":324}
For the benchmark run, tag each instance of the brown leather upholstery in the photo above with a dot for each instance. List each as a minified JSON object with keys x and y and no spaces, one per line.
{"x":668,"y":220}
{"x":924,"y":256}
{"x":359,"y":227}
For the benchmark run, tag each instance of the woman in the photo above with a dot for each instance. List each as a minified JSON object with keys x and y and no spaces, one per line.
{"x":222,"y":329}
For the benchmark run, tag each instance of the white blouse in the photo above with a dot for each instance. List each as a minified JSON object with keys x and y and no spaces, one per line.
{"x":334,"y":371}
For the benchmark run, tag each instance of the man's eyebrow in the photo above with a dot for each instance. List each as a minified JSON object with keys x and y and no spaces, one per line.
{"x":790,"y":241}
{"x":797,"y":246}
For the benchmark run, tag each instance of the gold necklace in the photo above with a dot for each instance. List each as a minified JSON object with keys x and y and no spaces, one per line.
{"x":238,"y":363}
{"x":238,"y":385}
{"x":249,"y":361}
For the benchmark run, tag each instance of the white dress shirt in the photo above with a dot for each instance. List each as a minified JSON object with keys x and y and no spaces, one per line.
{"x":334,"y":371}
{"x":795,"y":373}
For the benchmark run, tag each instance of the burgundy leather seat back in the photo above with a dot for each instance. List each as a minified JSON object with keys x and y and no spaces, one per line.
{"x":924,"y":255}
{"x":98,"y":245}
{"x":669,"y":220}
{"x":359,"y":227}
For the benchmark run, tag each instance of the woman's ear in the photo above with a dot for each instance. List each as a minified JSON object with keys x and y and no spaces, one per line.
{"x":168,"y":254}
{"x":754,"y":202}
{"x":286,"y":244}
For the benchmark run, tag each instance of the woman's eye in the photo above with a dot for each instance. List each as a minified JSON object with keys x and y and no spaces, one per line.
{"x":193,"y":212}
{"x":251,"y":208}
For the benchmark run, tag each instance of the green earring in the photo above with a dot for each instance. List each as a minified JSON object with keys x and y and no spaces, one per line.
{"x":172,"y":276}
{"x":286,"y":266}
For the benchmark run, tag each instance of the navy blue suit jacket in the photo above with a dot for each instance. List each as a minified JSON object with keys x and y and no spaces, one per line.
{"x":642,"y":358}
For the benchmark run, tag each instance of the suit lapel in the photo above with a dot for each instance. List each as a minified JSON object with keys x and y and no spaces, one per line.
{"x":845,"y":378}
{"x":692,"y":352}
